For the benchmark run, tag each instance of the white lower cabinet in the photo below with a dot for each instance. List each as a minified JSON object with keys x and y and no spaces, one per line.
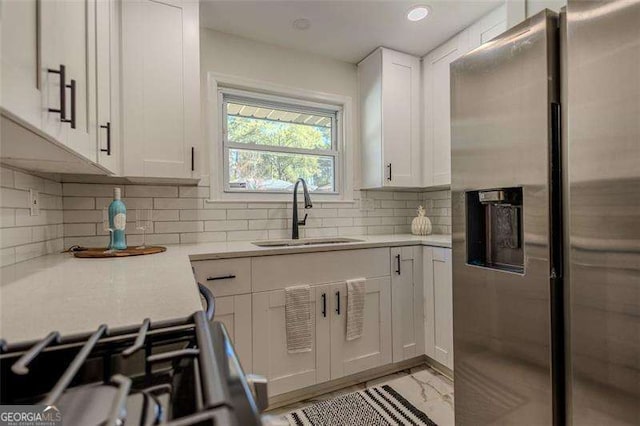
{"x":438,"y":303}
{"x":373,"y":348}
{"x":235,"y":313}
{"x":407,"y":310}
{"x":289,"y":371}
{"x":407,"y":302}
{"x":332,"y":356}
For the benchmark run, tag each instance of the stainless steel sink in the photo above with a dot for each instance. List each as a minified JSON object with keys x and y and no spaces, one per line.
{"x":304,"y":242}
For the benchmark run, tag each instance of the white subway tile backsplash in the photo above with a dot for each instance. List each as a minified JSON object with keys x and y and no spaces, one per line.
{"x":132,"y":203}
{"x":14,"y":198}
{"x":184,"y":214}
{"x":24,"y":236}
{"x":203,"y":214}
{"x":87,"y":190}
{"x":7,"y":217}
{"x":177,"y":203}
{"x":194,"y":191}
{"x":11,"y":237}
{"x":79,"y":229}
{"x":246,"y":214}
{"x":82,"y":216}
{"x":26,"y":182}
{"x":337,"y":221}
{"x":178,"y":227}
{"x":158,"y":191}
{"x":78,"y":203}
{"x":247,"y":235}
{"x":268,"y":224}
{"x":8,"y":256}
{"x":226,"y":225}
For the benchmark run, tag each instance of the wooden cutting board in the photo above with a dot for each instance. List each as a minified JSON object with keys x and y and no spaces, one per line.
{"x":99,"y":252}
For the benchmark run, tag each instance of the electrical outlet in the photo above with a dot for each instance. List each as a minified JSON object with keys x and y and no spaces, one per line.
{"x":34,"y":202}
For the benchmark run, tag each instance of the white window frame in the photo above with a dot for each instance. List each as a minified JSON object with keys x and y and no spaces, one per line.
{"x":218,"y":84}
{"x":334,"y":112}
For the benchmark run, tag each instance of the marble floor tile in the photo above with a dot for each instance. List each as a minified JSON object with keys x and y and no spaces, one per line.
{"x":425,"y":388}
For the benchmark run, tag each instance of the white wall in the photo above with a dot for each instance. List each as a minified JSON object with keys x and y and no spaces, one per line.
{"x":535,"y":6}
{"x":240,"y":57}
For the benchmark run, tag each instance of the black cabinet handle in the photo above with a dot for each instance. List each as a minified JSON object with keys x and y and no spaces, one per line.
{"x":72,"y":121}
{"x":108,"y":127}
{"x":63,"y":91}
{"x":398,"y":263}
{"x":221,"y":277}
{"x":193,"y":158}
{"x":324,"y":304}
{"x":338,"y":302}
{"x":389,"y":166}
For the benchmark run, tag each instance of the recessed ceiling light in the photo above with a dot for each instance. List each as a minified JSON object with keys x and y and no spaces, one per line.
{"x":301,"y":24}
{"x":417,"y":13}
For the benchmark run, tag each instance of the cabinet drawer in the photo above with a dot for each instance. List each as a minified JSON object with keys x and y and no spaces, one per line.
{"x":224,"y":277}
{"x":278,"y":272}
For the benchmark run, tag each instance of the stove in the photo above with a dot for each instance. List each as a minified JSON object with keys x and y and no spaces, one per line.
{"x":180,"y":373}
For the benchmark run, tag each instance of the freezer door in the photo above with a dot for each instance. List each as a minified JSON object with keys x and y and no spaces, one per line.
{"x":502,"y":99}
{"x":604,"y":211}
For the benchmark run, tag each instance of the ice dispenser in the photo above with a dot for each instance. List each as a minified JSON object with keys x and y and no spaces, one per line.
{"x":494,"y":229}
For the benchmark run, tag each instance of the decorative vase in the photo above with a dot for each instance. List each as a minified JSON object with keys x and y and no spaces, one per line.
{"x":421,"y":225}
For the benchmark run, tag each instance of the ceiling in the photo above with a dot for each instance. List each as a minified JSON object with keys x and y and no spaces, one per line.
{"x":344,"y":29}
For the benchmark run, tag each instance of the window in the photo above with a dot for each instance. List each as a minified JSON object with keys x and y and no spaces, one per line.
{"x":269,"y":142}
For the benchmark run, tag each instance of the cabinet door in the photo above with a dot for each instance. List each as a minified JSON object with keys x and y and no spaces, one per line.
{"x":161,"y":87}
{"x":68,"y":38}
{"x":443,"y":312}
{"x":20,"y":60}
{"x":288,"y":371}
{"x":107,"y":84}
{"x":488,"y":27}
{"x":373,"y":348}
{"x":437,"y":111}
{"x":407,"y":307}
{"x":400,"y":118}
{"x":235,"y":313}
{"x":429,"y":302}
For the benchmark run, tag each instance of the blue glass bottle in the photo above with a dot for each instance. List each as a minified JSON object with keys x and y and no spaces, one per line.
{"x":118,"y":221}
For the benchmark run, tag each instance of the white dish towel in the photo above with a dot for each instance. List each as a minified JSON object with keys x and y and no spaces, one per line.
{"x":298,"y":318}
{"x":355,"y":308}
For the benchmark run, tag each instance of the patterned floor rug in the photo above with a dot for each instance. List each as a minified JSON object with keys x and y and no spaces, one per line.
{"x":380,"y":405}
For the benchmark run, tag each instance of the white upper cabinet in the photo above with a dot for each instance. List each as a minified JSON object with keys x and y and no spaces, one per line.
{"x":390,"y":119}
{"x":161,"y":88}
{"x":67,"y":35}
{"x":436,"y":86}
{"x":107,"y":84}
{"x":20,"y":61}
{"x":436,"y":95}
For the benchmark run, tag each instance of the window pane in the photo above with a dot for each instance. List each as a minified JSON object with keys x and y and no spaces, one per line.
{"x":266,"y":171}
{"x":278,"y":127}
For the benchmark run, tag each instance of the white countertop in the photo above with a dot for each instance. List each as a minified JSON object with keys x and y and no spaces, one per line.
{"x":74,"y":296}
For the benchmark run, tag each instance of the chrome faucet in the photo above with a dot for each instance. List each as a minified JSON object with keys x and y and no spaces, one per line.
{"x":307,"y":205}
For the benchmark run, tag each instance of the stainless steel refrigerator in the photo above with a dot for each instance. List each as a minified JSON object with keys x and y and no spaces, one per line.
{"x":546,"y":220}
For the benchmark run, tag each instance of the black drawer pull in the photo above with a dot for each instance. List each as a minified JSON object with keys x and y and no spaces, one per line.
{"x":108,"y":128}
{"x":63,"y":94}
{"x":72,"y":121}
{"x":398,"y":263}
{"x":324,"y":305}
{"x":221,"y":277}
{"x":338,"y":302}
